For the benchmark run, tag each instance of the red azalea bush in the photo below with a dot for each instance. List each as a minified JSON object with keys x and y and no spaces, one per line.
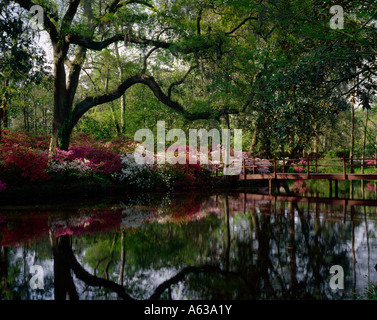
{"x":38,"y":141}
{"x":23,"y":155}
{"x":3,"y":186}
{"x":29,"y":163}
{"x":184,"y":176}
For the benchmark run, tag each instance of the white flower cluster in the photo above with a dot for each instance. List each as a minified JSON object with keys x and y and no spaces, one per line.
{"x":134,"y":173}
{"x":77,"y":166}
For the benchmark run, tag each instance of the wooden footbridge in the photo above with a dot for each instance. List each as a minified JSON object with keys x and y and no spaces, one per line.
{"x":309,"y":168}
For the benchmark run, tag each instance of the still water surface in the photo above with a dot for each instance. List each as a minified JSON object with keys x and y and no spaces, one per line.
{"x":193,"y":246}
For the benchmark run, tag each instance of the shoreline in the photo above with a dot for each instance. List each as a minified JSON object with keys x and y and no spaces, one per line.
{"x":80,"y":192}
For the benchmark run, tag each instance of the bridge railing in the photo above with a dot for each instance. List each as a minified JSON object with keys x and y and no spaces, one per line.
{"x":303,"y":165}
{"x":308,"y":165}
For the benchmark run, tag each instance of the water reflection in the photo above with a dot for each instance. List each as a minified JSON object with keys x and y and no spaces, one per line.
{"x":224,"y":246}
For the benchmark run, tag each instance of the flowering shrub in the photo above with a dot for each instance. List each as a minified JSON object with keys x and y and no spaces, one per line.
{"x":33,"y":141}
{"x":25,"y":156}
{"x":140,"y":175}
{"x":369,"y":187}
{"x":30,"y":163}
{"x":371,"y":162}
{"x":77,"y":166}
{"x":263,"y":164}
{"x":100,"y":161}
{"x":299,"y":186}
{"x":3,"y":186}
{"x":85,"y":161}
{"x":297,"y":167}
{"x":184,"y":176}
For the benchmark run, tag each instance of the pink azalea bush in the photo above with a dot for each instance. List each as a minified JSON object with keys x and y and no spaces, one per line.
{"x":3,"y":186}
{"x":24,"y":157}
{"x":300,"y":186}
{"x":86,"y":159}
{"x":20,"y":160}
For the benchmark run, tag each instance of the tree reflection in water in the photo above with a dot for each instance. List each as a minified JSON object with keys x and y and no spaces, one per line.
{"x":228,"y":246}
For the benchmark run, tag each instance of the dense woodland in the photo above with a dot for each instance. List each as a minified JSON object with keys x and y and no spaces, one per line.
{"x":276,"y":69}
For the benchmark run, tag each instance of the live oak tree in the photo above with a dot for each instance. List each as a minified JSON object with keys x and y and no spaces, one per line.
{"x":75,"y":27}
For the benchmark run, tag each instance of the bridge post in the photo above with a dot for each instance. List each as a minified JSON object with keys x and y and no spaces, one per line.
{"x":269,"y":186}
{"x":244,"y":169}
{"x":308,"y":173}
{"x":344,"y":210}
{"x":336,"y":188}
{"x":244,"y":203}
{"x":344,"y":169}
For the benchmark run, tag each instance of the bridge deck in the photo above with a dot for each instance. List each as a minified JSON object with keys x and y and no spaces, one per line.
{"x":303,"y":176}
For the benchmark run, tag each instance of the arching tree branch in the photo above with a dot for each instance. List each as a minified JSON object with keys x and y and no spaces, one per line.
{"x":99,"y":45}
{"x":184,"y":272}
{"x":177,"y":83}
{"x":145,"y":79}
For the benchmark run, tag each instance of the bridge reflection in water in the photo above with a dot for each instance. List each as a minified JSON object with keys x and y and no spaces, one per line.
{"x":250,"y":202}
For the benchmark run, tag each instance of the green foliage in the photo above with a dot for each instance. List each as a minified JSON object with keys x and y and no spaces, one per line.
{"x":272,"y":67}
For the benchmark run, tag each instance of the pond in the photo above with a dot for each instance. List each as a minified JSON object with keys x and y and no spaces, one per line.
{"x":227,"y":245}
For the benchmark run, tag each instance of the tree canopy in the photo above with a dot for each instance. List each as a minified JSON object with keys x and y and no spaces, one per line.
{"x":277,"y":69}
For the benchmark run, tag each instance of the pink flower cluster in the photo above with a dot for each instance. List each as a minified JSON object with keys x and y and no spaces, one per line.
{"x":370,"y":187}
{"x":101,"y":161}
{"x":300,"y":186}
{"x":3,"y":186}
{"x":24,"y":154}
{"x":86,"y":159}
{"x":32,"y":164}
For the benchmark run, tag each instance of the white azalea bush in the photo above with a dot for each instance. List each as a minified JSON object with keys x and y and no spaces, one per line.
{"x":132,"y":173}
{"x":78,"y":167}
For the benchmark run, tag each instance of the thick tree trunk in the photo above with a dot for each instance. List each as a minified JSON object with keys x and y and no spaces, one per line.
{"x":62,"y":106}
{"x":253,"y":144}
{"x":63,"y":282}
